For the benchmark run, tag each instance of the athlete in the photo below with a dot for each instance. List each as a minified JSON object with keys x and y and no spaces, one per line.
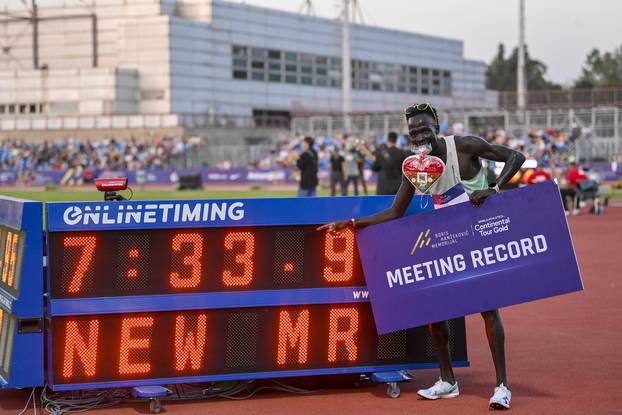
{"x":462,"y":165}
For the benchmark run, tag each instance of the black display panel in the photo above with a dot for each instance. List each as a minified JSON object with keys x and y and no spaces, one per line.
{"x":11,"y":255}
{"x":172,"y":261}
{"x":119,"y":347}
{"x":7,"y":337}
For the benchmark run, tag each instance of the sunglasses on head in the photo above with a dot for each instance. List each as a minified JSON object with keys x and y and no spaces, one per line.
{"x":420,"y":108}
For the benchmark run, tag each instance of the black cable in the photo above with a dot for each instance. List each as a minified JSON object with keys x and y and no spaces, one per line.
{"x":65,"y":403}
{"x":30,"y":397}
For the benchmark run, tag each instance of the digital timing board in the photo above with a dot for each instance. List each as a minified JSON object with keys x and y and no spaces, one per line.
{"x":188,"y":291}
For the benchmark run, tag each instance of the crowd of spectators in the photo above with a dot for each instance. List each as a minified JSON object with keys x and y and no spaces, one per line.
{"x":109,"y":153}
{"x":535,"y":144}
{"x":550,"y":154}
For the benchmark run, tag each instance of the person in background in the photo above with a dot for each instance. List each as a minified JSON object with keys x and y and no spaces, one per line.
{"x":540,"y":175}
{"x":352,"y":158}
{"x":361,"y":165}
{"x":565,"y":189}
{"x":307,"y":163}
{"x":387,"y":162}
{"x":337,"y":172}
{"x":575,"y":175}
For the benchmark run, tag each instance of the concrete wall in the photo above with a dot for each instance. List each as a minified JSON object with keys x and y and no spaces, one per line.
{"x":61,"y":91}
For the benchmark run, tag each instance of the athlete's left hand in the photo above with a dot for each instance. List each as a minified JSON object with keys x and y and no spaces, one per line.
{"x":479,"y":196}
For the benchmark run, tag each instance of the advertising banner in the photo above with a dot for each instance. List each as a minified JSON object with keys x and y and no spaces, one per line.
{"x":462,"y":260}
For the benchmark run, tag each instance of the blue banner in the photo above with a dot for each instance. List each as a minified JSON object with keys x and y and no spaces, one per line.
{"x":462,"y":260}
{"x":81,"y":216}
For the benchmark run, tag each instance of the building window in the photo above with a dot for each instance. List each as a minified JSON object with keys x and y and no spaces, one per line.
{"x":258,"y":53}
{"x":240,"y":74}
{"x":274,"y":77}
{"x":273,"y":65}
{"x":240,"y":62}
{"x":240,"y":51}
{"x":446,"y":85}
{"x":258,"y":65}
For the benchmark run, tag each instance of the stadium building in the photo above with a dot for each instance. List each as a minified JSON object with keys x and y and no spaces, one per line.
{"x":158,"y":63}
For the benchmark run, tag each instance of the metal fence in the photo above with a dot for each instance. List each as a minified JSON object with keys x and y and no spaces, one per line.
{"x":560,"y":98}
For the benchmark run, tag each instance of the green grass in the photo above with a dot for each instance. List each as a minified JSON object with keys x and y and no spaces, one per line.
{"x":72,"y":195}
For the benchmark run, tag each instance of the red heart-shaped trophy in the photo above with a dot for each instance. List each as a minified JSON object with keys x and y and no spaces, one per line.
{"x":422,"y":171}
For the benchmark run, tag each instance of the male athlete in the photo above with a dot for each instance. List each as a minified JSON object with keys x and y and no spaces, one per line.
{"x":462,"y":165}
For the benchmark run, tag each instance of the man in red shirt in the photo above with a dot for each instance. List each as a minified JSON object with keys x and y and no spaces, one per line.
{"x":539,"y":176}
{"x":575,"y":175}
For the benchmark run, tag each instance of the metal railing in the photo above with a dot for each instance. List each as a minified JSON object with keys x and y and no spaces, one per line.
{"x":560,"y":98}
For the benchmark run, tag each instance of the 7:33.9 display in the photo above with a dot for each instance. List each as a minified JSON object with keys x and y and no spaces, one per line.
{"x":165,"y":261}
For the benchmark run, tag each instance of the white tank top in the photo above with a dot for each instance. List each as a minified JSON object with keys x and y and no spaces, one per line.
{"x":451,"y":175}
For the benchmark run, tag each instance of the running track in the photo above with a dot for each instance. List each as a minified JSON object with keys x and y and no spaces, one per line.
{"x":564,"y":354}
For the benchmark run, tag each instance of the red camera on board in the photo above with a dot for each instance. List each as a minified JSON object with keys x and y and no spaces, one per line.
{"x":111,"y":185}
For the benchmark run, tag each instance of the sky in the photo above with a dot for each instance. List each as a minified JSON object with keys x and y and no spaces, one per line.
{"x":558,"y":32}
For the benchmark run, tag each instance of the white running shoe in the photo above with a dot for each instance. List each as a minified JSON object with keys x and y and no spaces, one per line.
{"x":440,"y":389}
{"x":501,"y":398}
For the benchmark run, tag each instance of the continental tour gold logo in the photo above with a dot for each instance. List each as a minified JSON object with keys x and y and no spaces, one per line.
{"x":422,"y":240}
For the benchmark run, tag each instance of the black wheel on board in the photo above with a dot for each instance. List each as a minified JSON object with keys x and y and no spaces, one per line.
{"x":393,"y":390}
{"x":155,"y":405}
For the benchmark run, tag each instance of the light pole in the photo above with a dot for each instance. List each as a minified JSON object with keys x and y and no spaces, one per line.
{"x":346,"y":71}
{"x":521,"y":85}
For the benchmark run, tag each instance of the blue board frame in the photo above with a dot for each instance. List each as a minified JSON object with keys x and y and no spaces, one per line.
{"x":27,"y":360}
{"x":129,"y":215}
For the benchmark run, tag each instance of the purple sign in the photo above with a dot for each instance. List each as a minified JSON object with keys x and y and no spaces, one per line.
{"x":462,"y":260}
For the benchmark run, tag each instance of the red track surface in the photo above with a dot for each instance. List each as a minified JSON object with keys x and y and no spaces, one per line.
{"x":564,"y":354}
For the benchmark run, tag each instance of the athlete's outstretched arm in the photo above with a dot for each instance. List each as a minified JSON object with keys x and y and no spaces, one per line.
{"x":400,"y":203}
{"x":478,"y":147}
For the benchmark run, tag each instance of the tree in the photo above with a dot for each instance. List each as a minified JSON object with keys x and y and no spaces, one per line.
{"x":601,"y":69}
{"x":501,"y":72}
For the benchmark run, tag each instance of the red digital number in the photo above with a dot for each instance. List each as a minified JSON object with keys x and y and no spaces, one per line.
{"x":339,"y":255}
{"x":87,"y":243}
{"x":243,"y":259}
{"x":10,"y":258}
{"x":193,"y":260}
{"x":129,"y":343}
{"x":189,"y":346}
{"x":345,"y":336}
{"x":133,"y":254}
{"x":292,"y":335}
{"x":13,"y":260}
{"x":7,"y":257}
{"x":86,"y":351}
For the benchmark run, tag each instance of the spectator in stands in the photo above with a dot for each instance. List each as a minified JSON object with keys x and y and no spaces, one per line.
{"x":112,"y":154}
{"x":307,"y":163}
{"x":387,"y":162}
{"x":575,"y":175}
{"x":540,"y":175}
{"x":337,"y":172}
{"x":352,"y":160}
